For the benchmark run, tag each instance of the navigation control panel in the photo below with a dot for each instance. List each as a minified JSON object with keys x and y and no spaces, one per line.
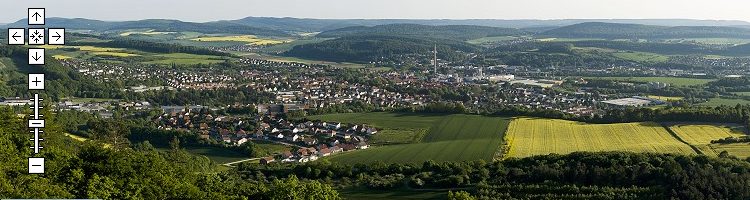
{"x":36,"y":34}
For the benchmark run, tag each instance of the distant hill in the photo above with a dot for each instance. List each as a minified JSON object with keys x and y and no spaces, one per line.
{"x":368,"y":48}
{"x":319,"y":25}
{"x":209,"y":27}
{"x":628,"y":31}
{"x":156,"y":24}
{"x":739,"y":50}
{"x":70,"y":23}
{"x":456,"y":32}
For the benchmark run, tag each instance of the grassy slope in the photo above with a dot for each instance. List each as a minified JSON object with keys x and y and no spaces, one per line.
{"x":727,"y":102}
{"x":450,"y":138}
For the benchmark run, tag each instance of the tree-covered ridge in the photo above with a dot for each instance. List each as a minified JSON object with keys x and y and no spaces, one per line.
{"x":609,"y":175}
{"x":370,"y":48}
{"x":154,"y":47}
{"x":455,"y":32}
{"x":163,"y":25}
{"x":629,"y":31}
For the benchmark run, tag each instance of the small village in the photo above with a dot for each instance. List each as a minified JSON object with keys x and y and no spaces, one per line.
{"x":311,"y":139}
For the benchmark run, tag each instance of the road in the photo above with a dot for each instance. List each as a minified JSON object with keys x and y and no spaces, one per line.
{"x":229,"y":164}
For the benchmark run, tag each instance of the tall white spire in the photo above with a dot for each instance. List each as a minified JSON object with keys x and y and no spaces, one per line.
{"x":434,"y":59}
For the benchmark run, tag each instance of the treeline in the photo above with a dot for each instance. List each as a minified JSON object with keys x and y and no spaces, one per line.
{"x":602,"y":86}
{"x":154,"y":47}
{"x":453,"y":32}
{"x":365,"y":49}
{"x":730,"y":140}
{"x":721,"y":114}
{"x":739,"y":84}
{"x":613,"y":175}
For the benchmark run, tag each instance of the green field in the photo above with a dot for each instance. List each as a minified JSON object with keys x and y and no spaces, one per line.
{"x":725,"y":102}
{"x":701,"y":135}
{"x":491,"y":39}
{"x":218,"y":155}
{"x":535,"y":136}
{"x":393,"y":136}
{"x":269,"y":148}
{"x":449,"y":137}
{"x":641,"y":56}
{"x":383,"y":119}
{"x":63,"y":52}
{"x":742,"y":93}
{"x":289,"y":45}
{"x":665,"y":98}
{"x":677,"y":81}
{"x":393,"y":128}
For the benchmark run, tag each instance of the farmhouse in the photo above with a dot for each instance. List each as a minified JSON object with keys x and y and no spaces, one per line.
{"x":267,"y":160}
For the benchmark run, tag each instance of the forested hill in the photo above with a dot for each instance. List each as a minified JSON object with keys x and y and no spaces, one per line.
{"x":630,"y":31}
{"x":455,"y":32}
{"x":317,"y":25}
{"x":163,"y":25}
{"x":364,"y":49}
{"x":210,"y":27}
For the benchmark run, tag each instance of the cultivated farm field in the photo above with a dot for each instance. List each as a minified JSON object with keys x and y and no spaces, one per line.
{"x":249,"y":39}
{"x":449,"y":138}
{"x":701,"y":135}
{"x":535,"y":136}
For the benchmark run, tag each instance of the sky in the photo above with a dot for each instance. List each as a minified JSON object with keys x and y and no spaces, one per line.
{"x":212,"y":10}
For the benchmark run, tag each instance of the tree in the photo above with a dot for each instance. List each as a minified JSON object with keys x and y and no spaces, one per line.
{"x":293,"y":188}
{"x":100,"y":188}
{"x":174,"y":144}
{"x":459,"y":195}
{"x":112,"y":132}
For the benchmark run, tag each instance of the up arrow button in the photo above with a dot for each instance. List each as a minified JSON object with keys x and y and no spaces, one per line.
{"x":36,"y":16}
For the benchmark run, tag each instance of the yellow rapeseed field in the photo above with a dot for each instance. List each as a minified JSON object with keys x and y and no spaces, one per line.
{"x":701,"y":135}
{"x":249,"y":39}
{"x":535,"y":136}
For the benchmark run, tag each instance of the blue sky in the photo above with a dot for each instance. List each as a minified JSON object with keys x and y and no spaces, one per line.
{"x":210,"y":10}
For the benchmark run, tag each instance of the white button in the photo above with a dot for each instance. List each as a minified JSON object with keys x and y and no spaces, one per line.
{"x":36,"y":165}
{"x":36,"y":56}
{"x":36,"y":16}
{"x":16,"y":36}
{"x":56,"y":36}
{"x":36,"y":123}
{"x":36,"y":36}
{"x":36,"y":81}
